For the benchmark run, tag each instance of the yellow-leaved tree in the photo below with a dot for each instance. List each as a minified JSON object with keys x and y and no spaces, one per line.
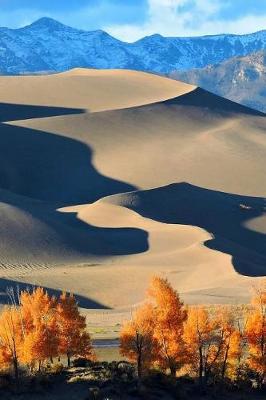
{"x":169,"y":317}
{"x":73,"y":338}
{"x":41,"y":333}
{"x":11,"y":338}
{"x":198,"y":334}
{"x":255,"y":333}
{"x":228,"y":343}
{"x":137,"y":342}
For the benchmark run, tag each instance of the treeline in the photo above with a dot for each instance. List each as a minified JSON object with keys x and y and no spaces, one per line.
{"x":211,"y":344}
{"x":36,"y":328}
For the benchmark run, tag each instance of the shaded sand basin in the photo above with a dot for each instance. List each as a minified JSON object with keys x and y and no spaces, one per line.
{"x":108,"y":177}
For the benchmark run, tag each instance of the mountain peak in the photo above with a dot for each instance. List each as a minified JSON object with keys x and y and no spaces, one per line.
{"x":46,"y":22}
{"x":153,"y":37}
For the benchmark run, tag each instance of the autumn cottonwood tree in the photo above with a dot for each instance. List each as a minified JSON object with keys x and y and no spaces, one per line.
{"x":213,"y":342}
{"x":52,"y":327}
{"x":73,"y":338}
{"x":10,"y":338}
{"x":169,"y":317}
{"x":41,"y":328}
{"x":41,"y":344}
{"x":11,"y":333}
{"x":137,"y":342}
{"x":237,"y":357}
{"x":41,"y":340}
{"x":255,"y":333}
{"x":198,"y":335}
{"x":228,"y":343}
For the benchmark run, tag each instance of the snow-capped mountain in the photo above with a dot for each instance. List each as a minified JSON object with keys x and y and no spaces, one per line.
{"x":48,"y":45}
{"x":241,"y":79}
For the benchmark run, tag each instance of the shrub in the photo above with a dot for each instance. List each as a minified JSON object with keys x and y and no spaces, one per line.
{"x":82,"y":362}
{"x":56,"y":368}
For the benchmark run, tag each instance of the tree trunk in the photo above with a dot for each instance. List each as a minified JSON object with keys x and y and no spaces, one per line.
{"x":200,"y":367}
{"x":173,"y":370}
{"x":15,"y":366}
{"x":139,"y":366}
{"x":207,"y":372}
{"x":225,"y":362}
{"x":68,"y":360}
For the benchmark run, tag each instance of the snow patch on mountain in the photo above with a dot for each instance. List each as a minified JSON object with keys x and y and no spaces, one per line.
{"x":48,"y":45}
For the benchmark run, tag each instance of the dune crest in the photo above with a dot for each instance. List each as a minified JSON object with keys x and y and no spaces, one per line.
{"x":90,"y":89}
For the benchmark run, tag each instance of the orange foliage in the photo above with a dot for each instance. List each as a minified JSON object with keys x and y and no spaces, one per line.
{"x":198,"y":335}
{"x":169,"y":317}
{"x":36,"y":307}
{"x":213,"y":342}
{"x":41,"y":328}
{"x":40,"y":344}
{"x":256,"y":333}
{"x":10,"y":338}
{"x":210,"y":341}
{"x":5,"y":357}
{"x":136,"y":338}
{"x":228,"y":343}
{"x":162,"y":332}
{"x":73,"y":339}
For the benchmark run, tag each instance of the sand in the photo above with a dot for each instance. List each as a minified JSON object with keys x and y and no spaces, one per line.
{"x":110,"y":177}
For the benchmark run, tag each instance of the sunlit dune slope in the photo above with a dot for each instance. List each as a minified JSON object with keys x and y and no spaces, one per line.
{"x":196,"y":137}
{"x":93,"y":90}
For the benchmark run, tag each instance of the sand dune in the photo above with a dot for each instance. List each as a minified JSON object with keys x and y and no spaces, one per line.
{"x":92,"y":200}
{"x":185,"y":140}
{"x":93,"y":90}
{"x":175,"y":251}
{"x":221,"y":214}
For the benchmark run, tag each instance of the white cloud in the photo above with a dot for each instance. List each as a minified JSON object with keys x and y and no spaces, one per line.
{"x":167,"y":17}
{"x":247,"y":24}
{"x":176,"y":18}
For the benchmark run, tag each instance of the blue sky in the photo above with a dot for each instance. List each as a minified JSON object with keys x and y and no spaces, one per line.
{"x":131,"y":19}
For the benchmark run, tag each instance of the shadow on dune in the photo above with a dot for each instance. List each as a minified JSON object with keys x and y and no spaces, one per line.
{"x":63,"y":232}
{"x":221,"y":214}
{"x":17,"y":287}
{"x":16,"y":112}
{"x":50,"y":167}
{"x":41,"y":171}
{"x":203,"y":99}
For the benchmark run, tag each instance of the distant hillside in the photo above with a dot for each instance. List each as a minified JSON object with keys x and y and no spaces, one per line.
{"x":48,"y":45}
{"x":242,"y":79}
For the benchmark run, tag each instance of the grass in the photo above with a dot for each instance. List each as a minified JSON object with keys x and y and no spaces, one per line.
{"x":99,"y":331}
{"x":108,"y":354}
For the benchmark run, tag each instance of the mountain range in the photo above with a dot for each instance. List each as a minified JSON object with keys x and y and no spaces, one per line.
{"x":50,"y":46}
{"x":241,"y":79}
